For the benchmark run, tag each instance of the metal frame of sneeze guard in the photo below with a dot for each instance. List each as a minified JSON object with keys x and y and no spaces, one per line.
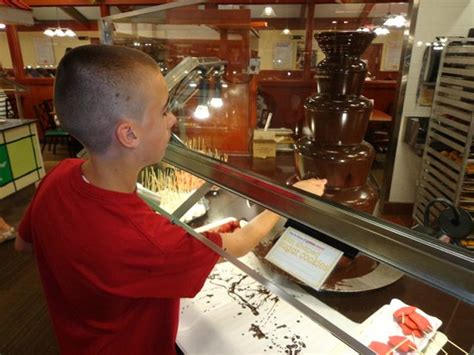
{"x":307,"y":311}
{"x":106,"y":23}
{"x":427,"y":259}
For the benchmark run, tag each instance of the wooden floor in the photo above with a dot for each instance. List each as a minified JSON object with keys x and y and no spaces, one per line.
{"x":24,"y":324}
{"x":25,"y":327}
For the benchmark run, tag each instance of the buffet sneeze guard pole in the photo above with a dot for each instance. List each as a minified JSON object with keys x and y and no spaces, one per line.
{"x":427,"y":259}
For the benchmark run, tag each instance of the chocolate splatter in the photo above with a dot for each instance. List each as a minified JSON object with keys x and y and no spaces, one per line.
{"x":263,"y":305}
{"x":257,"y":332}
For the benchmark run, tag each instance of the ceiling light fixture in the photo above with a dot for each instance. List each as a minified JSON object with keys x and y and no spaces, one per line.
{"x":398,"y":21}
{"x":216,"y":100}
{"x":59,"y":31}
{"x":286,"y":31}
{"x":381,"y":31}
{"x":202,"y":110}
{"x":268,"y":12}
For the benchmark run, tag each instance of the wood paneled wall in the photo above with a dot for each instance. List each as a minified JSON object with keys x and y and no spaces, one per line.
{"x":285,"y":98}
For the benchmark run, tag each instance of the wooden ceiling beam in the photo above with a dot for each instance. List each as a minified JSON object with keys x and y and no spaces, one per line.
{"x":125,"y":8}
{"x":364,"y":14}
{"x":233,"y":19}
{"x":157,"y":2}
{"x":75,"y":15}
{"x":45,"y":3}
{"x":372,"y":1}
{"x":73,"y":25}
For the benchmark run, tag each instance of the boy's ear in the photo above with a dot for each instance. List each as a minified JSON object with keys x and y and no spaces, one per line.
{"x":125,"y":133}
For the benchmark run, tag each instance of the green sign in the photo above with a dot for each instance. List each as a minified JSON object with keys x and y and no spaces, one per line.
{"x":22,"y":157}
{"x":5,"y":171}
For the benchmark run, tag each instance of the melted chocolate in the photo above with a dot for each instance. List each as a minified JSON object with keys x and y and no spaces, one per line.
{"x":256,"y":298}
{"x":337,"y":117}
{"x":257,"y":332}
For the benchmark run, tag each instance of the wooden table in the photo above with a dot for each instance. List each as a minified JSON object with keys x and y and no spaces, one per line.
{"x":380,"y":116}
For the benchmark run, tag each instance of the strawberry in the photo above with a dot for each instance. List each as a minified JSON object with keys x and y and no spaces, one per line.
{"x":421,"y":322}
{"x":405,"y":329}
{"x":402,"y":344}
{"x":380,"y":348}
{"x":404,"y":311}
{"x":409,"y":323}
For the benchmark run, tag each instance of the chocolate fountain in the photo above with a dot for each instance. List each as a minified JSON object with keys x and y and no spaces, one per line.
{"x":337,"y":117}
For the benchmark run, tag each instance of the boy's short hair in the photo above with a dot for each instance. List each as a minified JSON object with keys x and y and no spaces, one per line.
{"x":96,"y":85}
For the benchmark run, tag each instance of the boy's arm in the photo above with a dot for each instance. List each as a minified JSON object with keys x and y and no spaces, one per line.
{"x":244,"y":240}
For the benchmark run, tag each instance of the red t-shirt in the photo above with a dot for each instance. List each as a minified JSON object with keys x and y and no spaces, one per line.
{"x":112,"y":270}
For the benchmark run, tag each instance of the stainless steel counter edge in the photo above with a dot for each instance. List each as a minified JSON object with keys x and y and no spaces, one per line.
{"x":427,"y":259}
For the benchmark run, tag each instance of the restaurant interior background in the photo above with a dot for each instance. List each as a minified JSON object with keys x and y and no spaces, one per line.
{"x":270,"y":59}
{"x":271,"y":64}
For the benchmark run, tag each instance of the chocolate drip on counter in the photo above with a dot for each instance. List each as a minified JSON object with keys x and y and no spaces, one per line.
{"x":336,"y":117}
{"x":278,"y":337}
{"x":257,"y":332}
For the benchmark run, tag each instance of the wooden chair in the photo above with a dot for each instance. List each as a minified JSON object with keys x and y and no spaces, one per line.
{"x":6,"y":107}
{"x":52,"y":135}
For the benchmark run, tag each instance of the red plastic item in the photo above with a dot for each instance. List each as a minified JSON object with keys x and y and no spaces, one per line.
{"x":228,"y":227}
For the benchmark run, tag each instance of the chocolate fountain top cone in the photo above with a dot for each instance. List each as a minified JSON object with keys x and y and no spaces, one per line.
{"x":342,"y":72}
{"x":344,"y":43}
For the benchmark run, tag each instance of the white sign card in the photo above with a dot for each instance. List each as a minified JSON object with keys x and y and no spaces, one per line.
{"x":283,"y":53}
{"x":303,"y":257}
{"x":44,"y":51}
{"x":392,"y":55}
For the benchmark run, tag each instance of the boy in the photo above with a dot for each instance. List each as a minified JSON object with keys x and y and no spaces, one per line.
{"x":112,"y":270}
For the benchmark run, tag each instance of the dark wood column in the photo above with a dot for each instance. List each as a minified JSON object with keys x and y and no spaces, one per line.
{"x":309,"y":40}
{"x":104,"y":10}
{"x":15,"y":52}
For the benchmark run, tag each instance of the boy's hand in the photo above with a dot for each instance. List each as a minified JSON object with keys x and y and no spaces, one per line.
{"x":314,"y":186}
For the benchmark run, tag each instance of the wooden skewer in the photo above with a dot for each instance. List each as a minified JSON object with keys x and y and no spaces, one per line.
{"x":432,"y":339}
{"x":458,"y":347}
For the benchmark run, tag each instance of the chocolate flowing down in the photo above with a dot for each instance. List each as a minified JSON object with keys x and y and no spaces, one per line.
{"x":336,"y":117}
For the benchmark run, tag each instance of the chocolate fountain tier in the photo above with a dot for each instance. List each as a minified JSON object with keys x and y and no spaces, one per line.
{"x":343,"y":44}
{"x":342,"y":166}
{"x":337,"y":121}
{"x":362,"y":198}
{"x":342,"y":72}
{"x":336,"y":118}
{"x":335,"y":80}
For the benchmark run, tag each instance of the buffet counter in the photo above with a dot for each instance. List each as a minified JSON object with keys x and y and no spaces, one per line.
{"x":21,"y":163}
{"x":347,"y":311}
